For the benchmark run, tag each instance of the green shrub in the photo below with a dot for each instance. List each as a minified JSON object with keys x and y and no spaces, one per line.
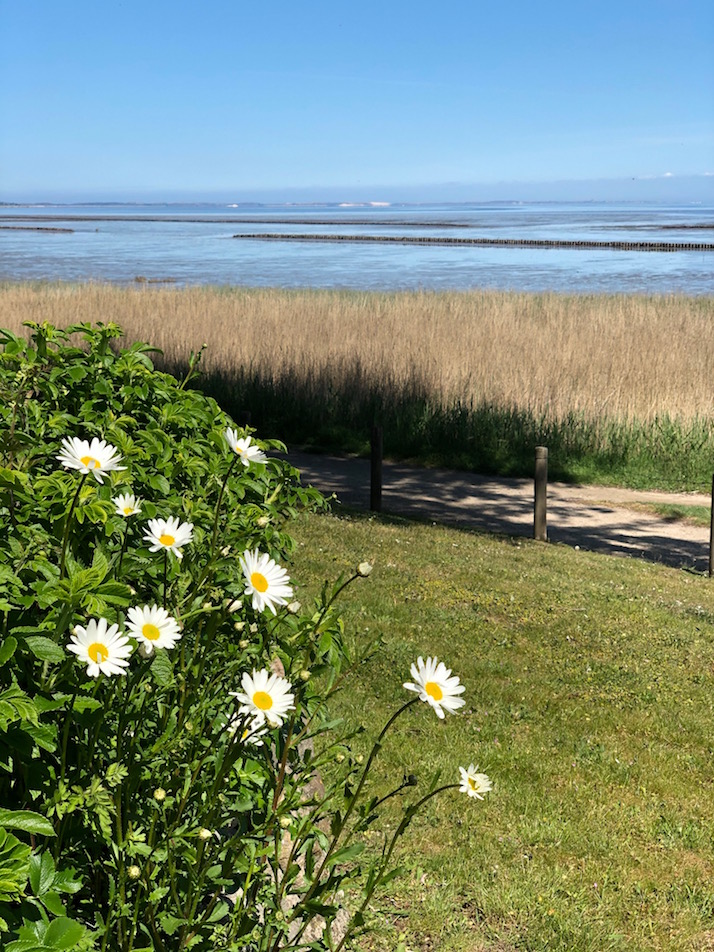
{"x":163,"y":697}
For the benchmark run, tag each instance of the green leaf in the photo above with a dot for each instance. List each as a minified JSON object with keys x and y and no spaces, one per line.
{"x":161,"y":669}
{"x":7,"y":649}
{"x":27,"y":821}
{"x":45,"y":649}
{"x":42,"y":873}
{"x":64,"y":933}
{"x":345,"y":855}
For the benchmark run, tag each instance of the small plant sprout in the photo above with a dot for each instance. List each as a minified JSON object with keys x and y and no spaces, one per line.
{"x":245,"y":448}
{"x":168,"y":535}
{"x":97,"y":457}
{"x":474,"y":784}
{"x":266,"y":581}
{"x":102,"y":648}
{"x":265,"y":697}
{"x":127,"y":505}
{"x":434,"y":684}
{"x":153,"y":627}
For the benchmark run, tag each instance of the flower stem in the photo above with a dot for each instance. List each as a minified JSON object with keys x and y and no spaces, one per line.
{"x":68,"y":522}
{"x":218,"y":505}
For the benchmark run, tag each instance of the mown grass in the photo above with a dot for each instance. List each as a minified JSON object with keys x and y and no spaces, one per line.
{"x":617,"y":386}
{"x":589,"y":703}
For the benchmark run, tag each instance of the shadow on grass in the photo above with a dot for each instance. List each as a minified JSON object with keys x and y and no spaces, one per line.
{"x":310,"y":411}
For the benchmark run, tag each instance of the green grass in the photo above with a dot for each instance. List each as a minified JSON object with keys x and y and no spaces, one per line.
{"x":673,"y":512}
{"x":665,"y":453}
{"x":589,"y":703}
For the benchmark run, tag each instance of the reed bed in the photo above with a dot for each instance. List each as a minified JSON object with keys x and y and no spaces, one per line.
{"x":466,"y":378}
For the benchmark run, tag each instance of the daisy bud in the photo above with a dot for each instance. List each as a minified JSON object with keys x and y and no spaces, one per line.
{"x":294,"y":607}
{"x":148,"y":688}
{"x":159,"y":794}
{"x":253,"y":628}
{"x":263,"y":521}
{"x":207,"y":606}
{"x":145,"y":650}
{"x":235,"y":605}
{"x":239,"y":625}
{"x":243,"y":644}
{"x":304,"y":675}
{"x":132,"y":590}
{"x":226,"y":550}
{"x":133,"y":872}
{"x":340,"y":758}
{"x":189,"y":726}
{"x":204,"y":834}
{"x":285,"y":822}
{"x":359,"y":759}
{"x":364,"y":569}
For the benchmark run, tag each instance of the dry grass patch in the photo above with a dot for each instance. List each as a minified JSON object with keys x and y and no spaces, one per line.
{"x":623,"y":356}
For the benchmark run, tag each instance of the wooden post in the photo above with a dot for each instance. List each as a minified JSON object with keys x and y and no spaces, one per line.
{"x":540,"y":528}
{"x":711,"y":535}
{"x":375,"y":487}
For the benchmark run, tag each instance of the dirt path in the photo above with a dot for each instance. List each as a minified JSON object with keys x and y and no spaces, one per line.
{"x":599,"y":518}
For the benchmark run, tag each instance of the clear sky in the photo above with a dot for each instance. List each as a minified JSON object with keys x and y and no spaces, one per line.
{"x":356,"y":99}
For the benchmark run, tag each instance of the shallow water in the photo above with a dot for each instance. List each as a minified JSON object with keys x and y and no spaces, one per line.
{"x":194,"y":244}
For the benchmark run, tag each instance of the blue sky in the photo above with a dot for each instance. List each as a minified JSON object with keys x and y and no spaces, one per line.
{"x":356,"y":100}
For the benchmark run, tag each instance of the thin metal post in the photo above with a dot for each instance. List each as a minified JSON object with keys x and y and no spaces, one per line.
{"x":375,"y":486}
{"x":711,"y":535}
{"x":540,"y":527}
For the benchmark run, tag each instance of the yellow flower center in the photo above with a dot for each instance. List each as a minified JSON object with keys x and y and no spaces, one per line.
{"x":433,"y":690}
{"x":90,"y":462}
{"x":151,"y":632}
{"x":166,"y":539}
{"x":128,"y":510}
{"x":98,"y":652}
{"x":262,"y":700}
{"x":259,"y":582}
{"x":472,"y":783}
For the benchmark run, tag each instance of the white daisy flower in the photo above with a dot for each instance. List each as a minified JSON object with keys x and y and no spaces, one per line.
{"x":434,"y":684}
{"x":266,"y":581}
{"x":102,"y":648}
{"x":474,"y":784}
{"x":169,"y":534}
{"x":127,"y":504}
{"x":245,"y":448}
{"x":251,"y":733}
{"x":266,"y":697}
{"x":97,"y":457}
{"x":153,"y":627}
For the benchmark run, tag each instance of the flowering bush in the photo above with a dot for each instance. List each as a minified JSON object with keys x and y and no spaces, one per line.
{"x":163,"y":697}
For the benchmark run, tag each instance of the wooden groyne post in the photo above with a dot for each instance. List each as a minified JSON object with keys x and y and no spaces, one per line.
{"x":375,"y":482}
{"x":540,"y":527}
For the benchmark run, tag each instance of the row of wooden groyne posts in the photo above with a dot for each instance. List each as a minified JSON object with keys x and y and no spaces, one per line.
{"x":492,"y":242}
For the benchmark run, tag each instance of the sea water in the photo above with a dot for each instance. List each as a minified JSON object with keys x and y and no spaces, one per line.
{"x":195,"y":244}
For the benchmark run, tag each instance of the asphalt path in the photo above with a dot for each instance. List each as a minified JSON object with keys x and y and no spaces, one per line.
{"x":597,"y":518}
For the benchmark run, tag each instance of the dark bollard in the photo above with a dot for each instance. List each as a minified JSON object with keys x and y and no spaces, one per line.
{"x":540,"y":528}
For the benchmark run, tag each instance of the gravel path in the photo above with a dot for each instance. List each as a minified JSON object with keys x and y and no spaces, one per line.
{"x":599,"y":518}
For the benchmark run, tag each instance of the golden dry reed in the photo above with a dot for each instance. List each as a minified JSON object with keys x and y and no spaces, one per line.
{"x":614,"y":356}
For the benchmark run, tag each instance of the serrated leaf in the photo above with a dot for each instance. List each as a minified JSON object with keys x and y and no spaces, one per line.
{"x":42,"y":873}
{"x":45,"y":649}
{"x":7,"y":649}
{"x":26,"y":820}
{"x":161,"y":669}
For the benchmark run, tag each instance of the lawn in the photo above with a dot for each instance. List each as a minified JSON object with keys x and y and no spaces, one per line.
{"x":588,"y":703}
